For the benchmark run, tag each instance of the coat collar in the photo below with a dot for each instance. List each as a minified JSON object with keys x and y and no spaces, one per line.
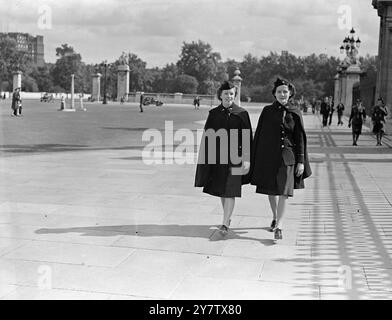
{"x":234,"y":109}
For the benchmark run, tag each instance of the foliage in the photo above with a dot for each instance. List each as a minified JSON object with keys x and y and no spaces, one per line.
{"x":185,"y":84}
{"x":198,"y":60}
{"x":198,"y":70}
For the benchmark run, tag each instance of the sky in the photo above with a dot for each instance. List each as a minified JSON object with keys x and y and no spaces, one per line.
{"x":155,"y":30}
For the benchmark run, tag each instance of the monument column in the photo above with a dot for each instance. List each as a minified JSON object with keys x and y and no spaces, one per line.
{"x":122,"y":81}
{"x":72,"y":91}
{"x":336,"y":96}
{"x":96,"y":87}
{"x":384,"y":74}
{"x":17,"y":80}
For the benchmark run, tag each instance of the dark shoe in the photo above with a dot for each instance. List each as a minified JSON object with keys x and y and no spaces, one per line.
{"x":223,"y":229}
{"x":354,"y":144}
{"x":278,"y":234}
{"x":273,"y":226}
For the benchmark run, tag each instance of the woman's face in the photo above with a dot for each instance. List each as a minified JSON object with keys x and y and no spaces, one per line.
{"x":227,"y":97}
{"x":282,"y":94}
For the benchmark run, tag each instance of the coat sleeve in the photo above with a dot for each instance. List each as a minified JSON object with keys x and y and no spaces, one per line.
{"x":247,"y":152}
{"x":299,"y":141}
{"x":202,"y":168}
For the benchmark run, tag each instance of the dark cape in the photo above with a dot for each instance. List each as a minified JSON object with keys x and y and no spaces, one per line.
{"x":216,"y":175}
{"x":268,"y":156}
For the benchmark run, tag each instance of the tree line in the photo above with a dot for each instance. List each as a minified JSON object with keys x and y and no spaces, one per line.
{"x":199,"y":70}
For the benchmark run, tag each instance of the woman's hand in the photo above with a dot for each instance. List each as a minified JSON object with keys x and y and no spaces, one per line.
{"x":246,"y":166}
{"x":300,"y":169}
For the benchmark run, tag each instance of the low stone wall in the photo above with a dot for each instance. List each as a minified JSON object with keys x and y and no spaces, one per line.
{"x":38,"y":95}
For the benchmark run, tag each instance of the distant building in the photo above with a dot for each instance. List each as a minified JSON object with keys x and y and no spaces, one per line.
{"x":27,"y":43}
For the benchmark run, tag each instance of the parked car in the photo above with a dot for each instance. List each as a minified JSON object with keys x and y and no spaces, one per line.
{"x":47,"y":97}
{"x":151,"y":100}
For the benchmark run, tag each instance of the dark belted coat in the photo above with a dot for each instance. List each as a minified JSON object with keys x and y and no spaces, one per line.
{"x":216,"y":174}
{"x":268,"y":152}
{"x":15,"y":100}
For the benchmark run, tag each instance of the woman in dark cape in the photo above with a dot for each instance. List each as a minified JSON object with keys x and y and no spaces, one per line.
{"x":224,"y":163}
{"x":280,"y":158}
{"x":357,"y":117}
{"x":378,"y":117}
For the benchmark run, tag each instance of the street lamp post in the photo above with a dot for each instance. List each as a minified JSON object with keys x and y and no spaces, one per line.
{"x":348,"y":71}
{"x":350,"y":47}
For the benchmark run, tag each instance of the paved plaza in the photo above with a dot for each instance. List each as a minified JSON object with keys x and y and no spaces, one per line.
{"x":83,"y":217}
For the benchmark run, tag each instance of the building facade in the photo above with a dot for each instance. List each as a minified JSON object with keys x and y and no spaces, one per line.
{"x":34,"y":46}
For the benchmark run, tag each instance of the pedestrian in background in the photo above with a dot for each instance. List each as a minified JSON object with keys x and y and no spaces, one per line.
{"x":331,"y":110}
{"x":196,"y":102}
{"x":141,"y":102}
{"x":16,"y":102}
{"x":62,"y":102}
{"x":216,"y":171}
{"x":340,"y":109}
{"x":378,"y":118}
{"x":280,"y":159}
{"x":325,"y":108}
{"x":357,"y":117}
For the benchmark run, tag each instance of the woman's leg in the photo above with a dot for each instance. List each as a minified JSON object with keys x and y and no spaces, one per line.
{"x":228,"y":208}
{"x":281,"y":210}
{"x":273,"y":200}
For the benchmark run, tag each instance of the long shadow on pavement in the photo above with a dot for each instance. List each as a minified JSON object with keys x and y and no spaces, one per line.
{"x":342,"y":229}
{"x":154,"y":230}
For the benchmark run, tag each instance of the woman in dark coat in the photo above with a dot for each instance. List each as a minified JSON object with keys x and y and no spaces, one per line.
{"x":340,"y":109}
{"x":224,"y":163}
{"x":16,"y":102}
{"x":378,"y":117}
{"x":280,"y":159}
{"x":357,"y":117}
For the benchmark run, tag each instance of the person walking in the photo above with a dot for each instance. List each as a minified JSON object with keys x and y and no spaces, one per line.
{"x":357,"y":117}
{"x":196,"y":102}
{"x":16,"y":102}
{"x":325,"y":109}
{"x":280,"y":159}
{"x":223,"y":167}
{"x":378,"y":118}
{"x":340,"y":109}
{"x":331,"y":110}
{"x":141,"y":102}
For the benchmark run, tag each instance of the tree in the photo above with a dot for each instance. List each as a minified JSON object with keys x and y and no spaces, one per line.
{"x":185,"y":84}
{"x":11,"y":60}
{"x":42,"y":78}
{"x":68,"y":63}
{"x":166,"y":79}
{"x":198,"y":60}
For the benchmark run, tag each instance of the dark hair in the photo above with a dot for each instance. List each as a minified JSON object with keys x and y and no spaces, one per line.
{"x":226,"y":85}
{"x":283,"y":82}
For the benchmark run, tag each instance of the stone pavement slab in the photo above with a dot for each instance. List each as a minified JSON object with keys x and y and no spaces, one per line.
{"x":78,"y":205}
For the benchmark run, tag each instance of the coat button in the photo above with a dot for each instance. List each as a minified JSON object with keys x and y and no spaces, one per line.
{"x":282,"y":146}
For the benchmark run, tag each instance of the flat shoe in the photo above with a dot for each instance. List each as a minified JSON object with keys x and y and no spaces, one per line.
{"x":273,"y":226}
{"x":278,"y":234}
{"x":223,"y":229}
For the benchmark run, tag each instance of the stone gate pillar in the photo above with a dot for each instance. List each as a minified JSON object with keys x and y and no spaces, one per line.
{"x":384,"y":74}
{"x":17,"y":80}
{"x":96,"y":87}
{"x":353,"y":76}
{"x":122,"y":81}
{"x":336,"y":97}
